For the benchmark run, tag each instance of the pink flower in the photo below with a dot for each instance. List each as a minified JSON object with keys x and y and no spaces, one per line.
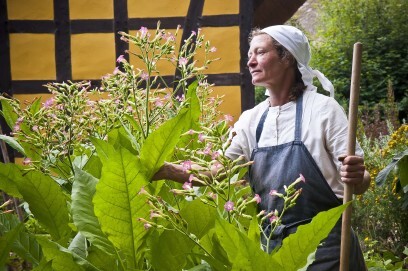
{"x":169,"y":37}
{"x":213,"y":49}
{"x":212,"y":195}
{"x":183,"y":61}
{"x":144,"y":76}
{"x":159,"y":103}
{"x":27,"y":161}
{"x":48,"y":103}
{"x":116,"y":70}
{"x":35,"y":128}
{"x":193,"y":33}
{"x":207,"y":150}
{"x":217,"y":164}
{"x":190,"y":178}
{"x":257,"y":198}
{"x":143,"y":32}
{"x":200,"y":137}
{"x":273,"y":218}
{"x":215,"y":155}
{"x":154,"y":214}
{"x":180,"y":98}
{"x":229,"y":206}
{"x":16,"y":128}
{"x":186,"y":165}
{"x":120,"y":59}
{"x":228,"y":118}
{"x":147,"y":226}
{"x":187,"y":186}
{"x":302,"y":178}
{"x":273,"y":192}
{"x":143,"y":191}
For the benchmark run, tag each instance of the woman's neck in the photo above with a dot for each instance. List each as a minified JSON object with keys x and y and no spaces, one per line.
{"x":278,"y":97}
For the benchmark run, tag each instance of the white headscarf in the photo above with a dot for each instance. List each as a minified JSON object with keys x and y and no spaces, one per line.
{"x":298,"y":45}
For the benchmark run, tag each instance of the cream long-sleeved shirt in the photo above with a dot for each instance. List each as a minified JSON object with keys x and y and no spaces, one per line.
{"x":324,"y":133}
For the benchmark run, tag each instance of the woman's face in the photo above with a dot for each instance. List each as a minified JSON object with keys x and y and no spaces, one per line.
{"x":264,"y":64}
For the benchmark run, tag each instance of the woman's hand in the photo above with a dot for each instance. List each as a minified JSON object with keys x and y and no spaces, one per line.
{"x":353,"y":172}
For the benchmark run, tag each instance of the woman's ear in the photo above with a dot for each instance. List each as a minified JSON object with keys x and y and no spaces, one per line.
{"x":289,"y":61}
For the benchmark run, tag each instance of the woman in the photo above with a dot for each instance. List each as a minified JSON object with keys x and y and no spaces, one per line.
{"x":295,"y":131}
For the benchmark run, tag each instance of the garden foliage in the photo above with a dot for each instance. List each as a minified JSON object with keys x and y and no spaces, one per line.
{"x":382,"y":29}
{"x":90,"y":155}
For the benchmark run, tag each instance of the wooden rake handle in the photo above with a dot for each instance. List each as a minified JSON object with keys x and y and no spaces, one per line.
{"x":351,"y":148}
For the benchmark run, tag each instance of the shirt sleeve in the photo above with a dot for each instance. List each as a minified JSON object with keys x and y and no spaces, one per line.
{"x":240,"y":145}
{"x":336,"y":132}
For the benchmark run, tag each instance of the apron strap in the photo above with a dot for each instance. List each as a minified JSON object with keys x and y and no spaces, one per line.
{"x":298,"y":124}
{"x":260,"y":126}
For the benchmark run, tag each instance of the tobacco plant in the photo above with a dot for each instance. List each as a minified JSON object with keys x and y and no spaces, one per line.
{"x":90,"y":154}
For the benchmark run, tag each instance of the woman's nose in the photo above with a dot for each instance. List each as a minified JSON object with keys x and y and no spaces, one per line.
{"x":251,"y":61}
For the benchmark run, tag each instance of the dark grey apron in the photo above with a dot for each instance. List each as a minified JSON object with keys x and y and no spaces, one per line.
{"x":281,"y":165}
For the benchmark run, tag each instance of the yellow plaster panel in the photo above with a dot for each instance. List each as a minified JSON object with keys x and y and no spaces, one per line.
{"x":157,"y":9}
{"x":32,"y":56}
{"x":92,"y":55}
{"x":231,"y":101}
{"x":226,"y":42}
{"x":30,"y":9}
{"x":165,"y":67}
{"x":91,"y":9}
{"x":217,"y":7}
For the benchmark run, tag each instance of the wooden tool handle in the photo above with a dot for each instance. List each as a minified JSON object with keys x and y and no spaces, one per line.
{"x":351,"y":148}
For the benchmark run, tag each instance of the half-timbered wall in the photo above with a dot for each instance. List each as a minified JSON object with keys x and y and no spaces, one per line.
{"x":59,"y":40}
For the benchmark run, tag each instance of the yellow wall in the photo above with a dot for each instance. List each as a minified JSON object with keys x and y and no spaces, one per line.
{"x":30,"y":9}
{"x":32,"y":55}
{"x":157,"y":8}
{"x":227,"y":49}
{"x":91,"y":9}
{"x":92,"y":55}
{"x":215,"y":7}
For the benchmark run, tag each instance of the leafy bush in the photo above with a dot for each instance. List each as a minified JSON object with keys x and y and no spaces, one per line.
{"x":381,"y":27}
{"x":380,"y":214}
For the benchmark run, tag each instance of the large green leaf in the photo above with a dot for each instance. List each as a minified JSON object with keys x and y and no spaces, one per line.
{"x":170,"y":250}
{"x":8,"y":173}
{"x":44,"y":266}
{"x":200,"y":217}
{"x":383,"y":174}
{"x":102,"y":260}
{"x":6,"y":242}
{"x":93,"y":166}
{"x":297,"y":247}
{"x":119,"y":137}
{"x":116,"y":201}
{"x":12,"y":142}
{"x":243,"y":253}
{"x":61,"y":260}
{"x":8,"y":113}
{"x":160,"y":144}
{"x":47,"y":202}
{"x":79,"y":250}
{"x":83,"y":190}
{"x":25,"y":245}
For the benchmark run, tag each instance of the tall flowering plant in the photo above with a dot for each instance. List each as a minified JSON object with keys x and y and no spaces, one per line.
{"x":90,"y":154}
